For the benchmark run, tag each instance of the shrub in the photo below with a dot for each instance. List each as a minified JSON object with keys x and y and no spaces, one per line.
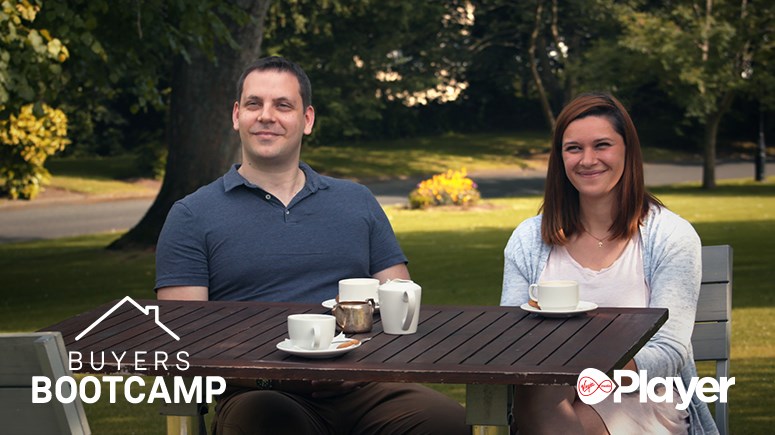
{"x":26,"y":140}
{"x":448,"y":188}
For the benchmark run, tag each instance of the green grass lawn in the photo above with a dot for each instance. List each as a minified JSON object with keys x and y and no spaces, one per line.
{"x":457,"y":256}
{"x":426,"y":155}
{"x":356,"y":160}
{"x":99,"y":176}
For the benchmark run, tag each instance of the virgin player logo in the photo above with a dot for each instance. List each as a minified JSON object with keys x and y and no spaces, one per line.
{"x":593,"y":386}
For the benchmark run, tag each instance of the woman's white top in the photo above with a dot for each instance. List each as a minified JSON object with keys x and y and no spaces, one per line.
{"x":622,"y":284}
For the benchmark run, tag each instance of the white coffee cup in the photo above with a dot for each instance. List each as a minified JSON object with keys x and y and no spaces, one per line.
{"x":555,"y":295}
{"x":311,"y":331}
{"x":399,"y":306}
{"x":358,"y":289}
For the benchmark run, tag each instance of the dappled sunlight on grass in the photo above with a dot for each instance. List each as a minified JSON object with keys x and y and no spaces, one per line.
{"x":105,"y":168}
{"x":104,"y":176}
{"x":93,"y":186}
{"x":424,"y":155}
{"x":751,"y":398}
{"x":753,"y":332}
{"x":745,"y":187}
{"x":49,"y":281}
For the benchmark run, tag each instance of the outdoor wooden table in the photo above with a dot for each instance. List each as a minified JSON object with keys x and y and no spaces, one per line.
{"x":488,"y":348}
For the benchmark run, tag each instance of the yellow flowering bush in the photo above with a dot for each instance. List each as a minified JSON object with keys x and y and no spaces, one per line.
{"x":26,"y":140}
{"x":448,"y":188}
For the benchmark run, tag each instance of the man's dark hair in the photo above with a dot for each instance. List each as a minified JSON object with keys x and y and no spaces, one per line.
{"x":281,"y":64}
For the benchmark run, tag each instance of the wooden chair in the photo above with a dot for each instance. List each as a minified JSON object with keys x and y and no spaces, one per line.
{"x":712,"y":328}
{"x":25,"y":355}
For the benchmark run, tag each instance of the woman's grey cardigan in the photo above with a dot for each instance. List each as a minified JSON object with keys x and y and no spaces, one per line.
{"x":672,"y":268}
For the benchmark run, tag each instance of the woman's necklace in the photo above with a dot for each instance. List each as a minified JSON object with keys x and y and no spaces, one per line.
{"x":599,"y":240}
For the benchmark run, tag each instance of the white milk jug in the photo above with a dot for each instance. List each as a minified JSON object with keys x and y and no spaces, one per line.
{"x":399,"y":306}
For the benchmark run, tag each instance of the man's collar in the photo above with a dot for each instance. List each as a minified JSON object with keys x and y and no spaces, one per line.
{"x":314,"y":181}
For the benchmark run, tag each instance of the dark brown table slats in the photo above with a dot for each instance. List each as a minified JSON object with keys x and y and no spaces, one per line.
{"x":503,"y":349}
{"x":462,"y":338}
{"x":554,"y":340}
{"x":487,"y":327}
{"x":265,"y":336}
{"x":527,"y":342}
{"x":593,"y":326}
{"x":241,"y":336}
{"x":430,"y":320}
{"x":121,"y":319}
{"x":597,"y":352}
{"x":74,"y":325}
{"x":430,"y":337}
{"x":454,"y":344}
{"x":132,"y":323}
{"x":148,"y":335}
{"x":226,"y":329}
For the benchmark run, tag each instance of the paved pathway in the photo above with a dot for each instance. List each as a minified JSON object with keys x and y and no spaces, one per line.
{"x":509,"y":183}
{"x":58,"y":218}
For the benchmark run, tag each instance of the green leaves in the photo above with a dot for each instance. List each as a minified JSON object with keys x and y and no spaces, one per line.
{"x":26,"y":54}
{"x":697,"y":50}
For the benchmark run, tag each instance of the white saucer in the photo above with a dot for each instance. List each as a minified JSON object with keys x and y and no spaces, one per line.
{"x":583,"y":307}
{"x":331,"y":302}
{"x":330,"y":352}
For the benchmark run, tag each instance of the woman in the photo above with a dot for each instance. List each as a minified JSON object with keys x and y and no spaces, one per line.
{"x":599,"y":226}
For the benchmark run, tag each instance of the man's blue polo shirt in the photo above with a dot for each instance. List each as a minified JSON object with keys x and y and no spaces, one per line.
{"x":244,"y":244}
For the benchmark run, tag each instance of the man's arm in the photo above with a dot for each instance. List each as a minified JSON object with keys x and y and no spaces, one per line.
{"x":398,"y":271}
{"x":183,"y":293}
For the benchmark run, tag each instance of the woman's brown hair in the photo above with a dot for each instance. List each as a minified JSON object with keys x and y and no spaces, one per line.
{"x":561,"y":217}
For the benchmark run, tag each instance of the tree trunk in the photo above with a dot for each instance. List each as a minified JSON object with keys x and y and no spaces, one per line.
{"x":709,"y":146}
{"x":709,"y":154}
{"x":545,"y":105}
{"x":201,"y":142}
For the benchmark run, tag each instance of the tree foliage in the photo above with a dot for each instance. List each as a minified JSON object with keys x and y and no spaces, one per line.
{"x":30,"y":58}
{"x":30,"y":61}
{"x":201,"y":142}
{"x":379,"y":69}
{"x":119,"y":75}
{"x":26,"y":140}
{"x":369,"y":58}
{"x":541,"y":43}
{"x":695,"y":55}
{"x":705,"y":53}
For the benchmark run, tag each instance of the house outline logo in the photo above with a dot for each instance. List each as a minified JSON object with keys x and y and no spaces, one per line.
{"x":145,"y":310}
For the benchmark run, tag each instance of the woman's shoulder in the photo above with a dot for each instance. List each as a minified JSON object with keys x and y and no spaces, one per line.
{"x":663,"y":216}
{"x":664,"y":224}
{"x":530,"y":226}
{"x":527,"y":233}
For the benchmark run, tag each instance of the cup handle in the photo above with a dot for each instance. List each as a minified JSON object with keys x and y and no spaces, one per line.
{"x":412,"y":299}
{"x":530,"y":290}
{"x":315,"y":337}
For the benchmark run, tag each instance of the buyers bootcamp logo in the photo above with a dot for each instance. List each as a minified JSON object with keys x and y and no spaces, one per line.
{"x":594,"y":386}
{"x":90,"y":388}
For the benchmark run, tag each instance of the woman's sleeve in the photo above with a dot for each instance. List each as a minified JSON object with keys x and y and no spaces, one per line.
{"x":675,"y":284}
{"x":516,"y":273}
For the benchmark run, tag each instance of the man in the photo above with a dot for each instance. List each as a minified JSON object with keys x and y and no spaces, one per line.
{"x":272,"y":229}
